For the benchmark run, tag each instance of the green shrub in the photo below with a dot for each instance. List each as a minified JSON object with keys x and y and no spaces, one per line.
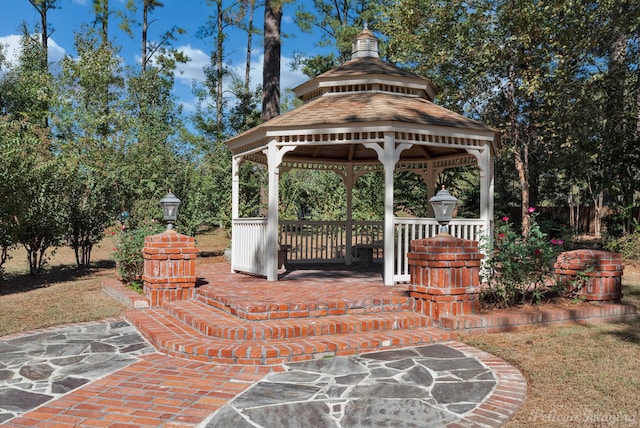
{"x":127,"y":253}
{"x":627,"y":245}
{"x":518,"y":268}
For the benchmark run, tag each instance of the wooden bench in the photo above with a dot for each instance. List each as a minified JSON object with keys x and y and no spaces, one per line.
{"x":283,"y":253}
{"x":365,"y":253}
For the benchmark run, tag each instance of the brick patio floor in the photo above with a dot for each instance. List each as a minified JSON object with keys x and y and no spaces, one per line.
{"x":240,"y":328}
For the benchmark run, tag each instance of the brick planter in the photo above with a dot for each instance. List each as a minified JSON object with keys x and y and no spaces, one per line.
{"x":601,"y":270}
{"x":169,"y":267}
{"x":445,"y":276}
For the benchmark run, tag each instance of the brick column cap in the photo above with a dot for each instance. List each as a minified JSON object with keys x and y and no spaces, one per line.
{"x":444,"y":243}
{"x":585,"y":254}
{"x":169,"y":238}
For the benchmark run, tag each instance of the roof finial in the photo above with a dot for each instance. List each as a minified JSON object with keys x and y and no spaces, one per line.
{"x":366,"y":25}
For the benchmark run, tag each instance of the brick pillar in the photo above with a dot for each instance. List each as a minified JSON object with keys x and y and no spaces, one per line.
{"x":169,"y":267}
{"x":601,"y":270}
{"x":445,"y":276}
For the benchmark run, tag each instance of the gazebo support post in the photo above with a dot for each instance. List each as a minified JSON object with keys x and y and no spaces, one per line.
{"x":389,"y":166}
{"x":349,"y":181}
{"x":235,"y":194}
{"x":485,"y":165}
{"x":274,"y":159}
{"x":388,"y":155}
{"x":271,"y":247}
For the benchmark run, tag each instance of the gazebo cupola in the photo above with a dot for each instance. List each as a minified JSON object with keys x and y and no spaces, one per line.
{"x":364,"y":115}
{"x":366,"y":44}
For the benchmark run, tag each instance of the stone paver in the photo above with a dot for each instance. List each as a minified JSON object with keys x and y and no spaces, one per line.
{"x":104,"y":374}
{"x":39,"y":367}
{"x":428,"y":386}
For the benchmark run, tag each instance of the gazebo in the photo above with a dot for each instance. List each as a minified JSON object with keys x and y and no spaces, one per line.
{"x":364,"y":115}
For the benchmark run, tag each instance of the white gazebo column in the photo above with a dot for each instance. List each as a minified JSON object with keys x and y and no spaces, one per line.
{"x":274,"y":159}
{"x":388,"y":155}
{"x":430,"y":177}
{"x":349,"y":181}
{"x":235,"y":187}
{"x":235,"y":200}
{"x":485,"y":165}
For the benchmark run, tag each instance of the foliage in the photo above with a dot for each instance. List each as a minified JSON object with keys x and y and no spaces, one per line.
{"x":90,"y":130}
{"x":628,"y":245}
{"x":339,"y":23}
{"x":519,"y":267}
{"x":557,"y":79}
{"x":129,"y":242}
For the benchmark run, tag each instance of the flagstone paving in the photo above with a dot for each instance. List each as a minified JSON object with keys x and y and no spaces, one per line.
{"x":38,"y":367}
{"x":105,"y":374}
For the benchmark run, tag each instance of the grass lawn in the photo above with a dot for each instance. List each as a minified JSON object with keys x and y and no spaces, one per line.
{"x":582,"y":376}
{"x":577,"y":375}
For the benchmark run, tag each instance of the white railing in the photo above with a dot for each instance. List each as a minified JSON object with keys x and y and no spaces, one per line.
{"x":249,"y":245}
{"x":408,"y":229}
{"x":327,"y":241}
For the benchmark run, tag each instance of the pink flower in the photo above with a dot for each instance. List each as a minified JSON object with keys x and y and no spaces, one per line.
{"x":537,"y":252}
{"x":560,"y":242}
{"x":531,"y":210}
{"x":554,"y":241}
{"x":500,"y":235}
{"x":505,"y":218}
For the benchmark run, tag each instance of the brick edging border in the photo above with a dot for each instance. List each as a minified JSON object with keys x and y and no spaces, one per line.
{"x":130,"y":298}
{"x":505,"y":400}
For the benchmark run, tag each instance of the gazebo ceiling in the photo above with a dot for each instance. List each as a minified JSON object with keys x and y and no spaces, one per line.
{"x":358,"y":102}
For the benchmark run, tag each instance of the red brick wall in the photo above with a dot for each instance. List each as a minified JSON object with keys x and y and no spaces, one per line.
{"x":600,"y":271}
{"x":169,"y":267}
{"x":445,"y":276}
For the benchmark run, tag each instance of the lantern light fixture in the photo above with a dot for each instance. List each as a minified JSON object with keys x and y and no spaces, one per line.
{"x":170,"y":204}
{"x":443,"y":204}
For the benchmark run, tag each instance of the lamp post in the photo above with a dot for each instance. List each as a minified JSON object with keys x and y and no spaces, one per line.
{"x":169,"y":206}
{"x":443,"y":204}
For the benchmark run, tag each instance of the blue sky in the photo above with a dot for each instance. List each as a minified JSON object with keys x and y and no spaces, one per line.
{"x":187,"y":14}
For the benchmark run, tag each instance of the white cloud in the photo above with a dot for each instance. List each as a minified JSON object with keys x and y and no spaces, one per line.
{"x":288,"y":78}
{"x":11,"y":45}
{"x":192,"y":70}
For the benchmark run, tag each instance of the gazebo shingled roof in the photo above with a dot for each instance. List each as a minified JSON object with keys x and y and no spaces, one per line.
{"x":367,"y":111}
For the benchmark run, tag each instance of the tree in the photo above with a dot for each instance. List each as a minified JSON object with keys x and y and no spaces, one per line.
{"x":92,"y":141}
{"x":159,"y":47}
{"x":272,"y":53}
{"x":31,"y":202}
{"x":43,"y":7}
{"x":528,"y":70}
{"x":339,"y":22}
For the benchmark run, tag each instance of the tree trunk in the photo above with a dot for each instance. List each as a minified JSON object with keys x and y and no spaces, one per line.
{"x":101,"y":9}
{"x":521,"y":151}
{"x":598,"y":202}
{"x":145,"y":27}
{"x":219,"y":68}
{"x":271,"y":66}
{"x":247,"y":67}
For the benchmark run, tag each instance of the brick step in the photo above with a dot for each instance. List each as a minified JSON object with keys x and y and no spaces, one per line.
{"x":215,"y":323}
{"x":304,"y":300}
{"x":171,"y":336}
